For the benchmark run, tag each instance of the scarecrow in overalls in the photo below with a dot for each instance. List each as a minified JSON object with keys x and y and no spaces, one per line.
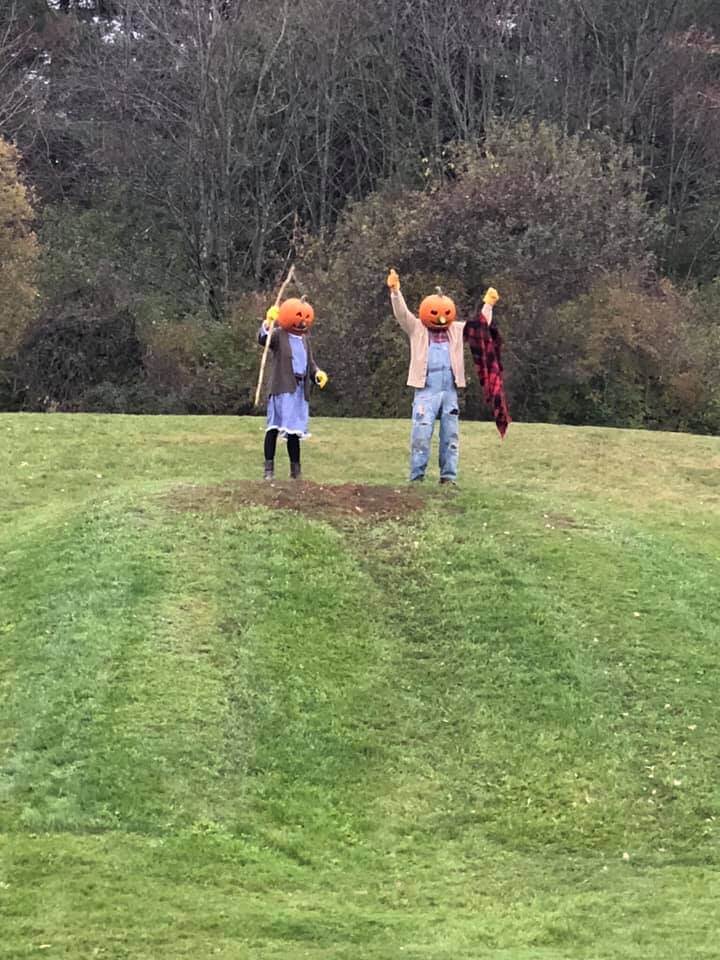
{"x":437,"y":370}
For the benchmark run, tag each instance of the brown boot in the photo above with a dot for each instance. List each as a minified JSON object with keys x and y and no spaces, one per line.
{"x":294,"y":471}
{"x":269,"y":471}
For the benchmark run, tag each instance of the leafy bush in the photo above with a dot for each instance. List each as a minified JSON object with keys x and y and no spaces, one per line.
{"x":206,"y":366}
{"x":18,"y":253}
{"x":636,"y":354}
{"x":63,"y":358}
{"x":530,"y":211}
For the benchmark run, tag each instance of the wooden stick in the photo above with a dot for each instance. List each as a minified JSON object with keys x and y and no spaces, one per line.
{"x":281,"y":291}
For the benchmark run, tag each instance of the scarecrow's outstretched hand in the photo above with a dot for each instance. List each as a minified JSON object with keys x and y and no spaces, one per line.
{"x":393,"y":280}
{"x":321,"y":379}
{"x":271,"y":316}
{"x":491,"y":296}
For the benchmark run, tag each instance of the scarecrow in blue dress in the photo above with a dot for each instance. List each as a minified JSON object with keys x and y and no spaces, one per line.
{"x":292,"y":372}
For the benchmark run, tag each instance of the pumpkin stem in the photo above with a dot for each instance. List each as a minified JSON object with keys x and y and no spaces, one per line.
{"x":438,"y":291}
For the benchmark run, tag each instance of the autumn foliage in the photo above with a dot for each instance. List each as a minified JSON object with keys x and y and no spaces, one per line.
{"x":18,"y":252}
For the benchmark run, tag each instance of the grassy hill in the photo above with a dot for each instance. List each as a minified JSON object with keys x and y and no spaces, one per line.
{"x":375,"y":723}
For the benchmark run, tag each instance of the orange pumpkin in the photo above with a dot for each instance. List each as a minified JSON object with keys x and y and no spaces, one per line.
{"x":437,"y":310}
{"x":296,"y":316}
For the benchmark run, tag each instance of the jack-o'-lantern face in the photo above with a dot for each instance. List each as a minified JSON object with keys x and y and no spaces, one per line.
{"x":296,"y":316}
{"x":437,"y":311}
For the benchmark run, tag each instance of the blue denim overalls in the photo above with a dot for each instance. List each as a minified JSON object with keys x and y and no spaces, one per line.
{"x":438,"y":398}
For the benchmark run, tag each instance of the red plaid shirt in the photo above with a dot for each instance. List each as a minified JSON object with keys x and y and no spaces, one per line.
{"x":485,"y":345}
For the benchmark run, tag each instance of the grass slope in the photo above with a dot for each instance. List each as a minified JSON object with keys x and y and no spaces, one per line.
{"x":486,"y":729}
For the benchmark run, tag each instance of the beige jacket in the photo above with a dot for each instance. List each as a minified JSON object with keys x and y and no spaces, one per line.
{"x":418,"y":336}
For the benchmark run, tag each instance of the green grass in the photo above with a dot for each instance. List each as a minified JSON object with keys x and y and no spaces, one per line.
{"x":488,"y":729}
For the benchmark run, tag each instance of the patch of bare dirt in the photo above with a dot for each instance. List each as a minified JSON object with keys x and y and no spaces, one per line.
{"x":317,"y":500}
{"x":558,"y":521}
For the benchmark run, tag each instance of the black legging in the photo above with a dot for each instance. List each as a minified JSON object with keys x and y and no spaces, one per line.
{"x":293,"y":445}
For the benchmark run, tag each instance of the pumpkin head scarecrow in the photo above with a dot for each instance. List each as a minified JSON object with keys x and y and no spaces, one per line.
{"x":437,"y":371}
{"x":293,"y":370}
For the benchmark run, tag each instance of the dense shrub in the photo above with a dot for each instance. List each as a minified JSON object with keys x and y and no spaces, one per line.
{"x":65,"y":357}
{"x":636,"y":354}
{"x":206,"y":366}
{"x":18,"y":253}
{"x":537,"y":214}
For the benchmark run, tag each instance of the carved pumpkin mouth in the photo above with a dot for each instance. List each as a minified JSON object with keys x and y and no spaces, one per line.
{"x":302,"y":324}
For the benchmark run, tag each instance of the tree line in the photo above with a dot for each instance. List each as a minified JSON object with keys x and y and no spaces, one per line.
{"x":181,"y":152}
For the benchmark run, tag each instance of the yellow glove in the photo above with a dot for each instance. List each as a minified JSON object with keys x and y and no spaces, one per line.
{"x":271,"y":316}
{"x":491,"y":296}
{"x":393,"y":280}
{"x":321,"y":379}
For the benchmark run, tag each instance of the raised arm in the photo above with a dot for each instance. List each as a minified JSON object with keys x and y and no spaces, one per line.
{"x":407,"y":320}
{"x":267,"y":327}
{"x":485,"y":315}
{"x":489,"y":300}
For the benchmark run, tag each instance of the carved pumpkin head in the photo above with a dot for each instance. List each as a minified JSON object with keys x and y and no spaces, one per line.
{"x":296,"y":316}
{"x":437,"y":311}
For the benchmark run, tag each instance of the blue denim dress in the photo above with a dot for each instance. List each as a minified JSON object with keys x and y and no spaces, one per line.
{"x":437,"y":399}
{"x":289,"y":413}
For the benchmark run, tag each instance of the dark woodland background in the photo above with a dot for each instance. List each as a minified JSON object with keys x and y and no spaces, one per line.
{"x":165,"y":160}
